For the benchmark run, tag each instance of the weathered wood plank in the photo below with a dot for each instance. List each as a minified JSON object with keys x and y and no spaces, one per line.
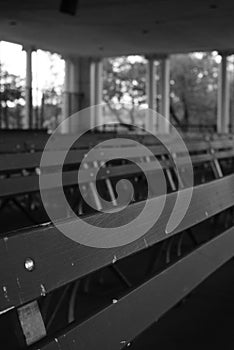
{"x":116,"y":325}
{"x":58,"y":260}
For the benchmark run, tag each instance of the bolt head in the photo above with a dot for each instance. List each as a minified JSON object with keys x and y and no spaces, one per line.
{"x":29,"y":264}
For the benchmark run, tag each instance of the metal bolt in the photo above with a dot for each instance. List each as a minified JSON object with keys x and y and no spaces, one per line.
{"x":38,"y":171}
{"x":29,"y":264}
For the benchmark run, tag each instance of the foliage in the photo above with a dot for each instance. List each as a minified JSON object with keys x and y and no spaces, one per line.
{"x":193,"y":95}
{"x":194,"y":88}
{"x":193,"y":91}
{"x":124,"y":87}
{"x":50,"y":108}
{"x":46,"y":101}
{"x":11,"y":96}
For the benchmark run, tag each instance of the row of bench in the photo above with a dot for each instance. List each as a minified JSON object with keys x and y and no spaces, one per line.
{"x":58,"y":294}
{"x":19,"y":172}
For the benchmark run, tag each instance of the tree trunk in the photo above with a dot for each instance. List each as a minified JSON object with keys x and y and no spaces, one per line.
{"x":186,"y":113}
{"x":6,"y":116}
{"x":174,"y":116}
{"x":116,"y":114}
{"x":42,"y":111}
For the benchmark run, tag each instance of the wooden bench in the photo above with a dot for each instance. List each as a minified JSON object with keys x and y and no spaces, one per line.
{"x":19,"y":172}
{"x":40,"y":267}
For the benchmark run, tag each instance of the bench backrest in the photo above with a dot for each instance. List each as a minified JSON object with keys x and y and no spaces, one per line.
{"x":59,"y":261}
{"x":29,"y":162}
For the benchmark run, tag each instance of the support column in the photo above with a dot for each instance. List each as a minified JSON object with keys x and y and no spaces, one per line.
{"x":223,"y":110}
{"x":164,"y":128}
{"x":96,"y":90}
{"x":28,"y":88}
{"x":83,"y":88}
{"x":66,"y":109}
{"x":84,"y":93}
{"x":151,"y":92}
{"x":79,"y":87}
{"x":74,"y":86}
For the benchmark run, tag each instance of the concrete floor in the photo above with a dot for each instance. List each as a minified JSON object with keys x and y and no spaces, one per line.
{"x":204,"y":321}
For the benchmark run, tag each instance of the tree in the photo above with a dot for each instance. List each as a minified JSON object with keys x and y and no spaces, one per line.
{"x":124,"y":87}
{"x":193,"y":98}
{"x":50,"y":92}
{"x":50,"y":108}
{"x":11,"y":97}
{"x":194,"y":88}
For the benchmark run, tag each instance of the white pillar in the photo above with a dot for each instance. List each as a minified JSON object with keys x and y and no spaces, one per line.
{"x":66,"y":109}
{"x":223,"y":112}
{"x":81,"y":93}
{"x":83,"y":88}
{"x":77,"y":93}
{"x":151,"y":92}
{"x":74,"y":86}
{"x":163,"y":127}
{"x":84,"y":64}
{"x":84,"y":69}
{"x":96,"y":90}
{"x":28,"y":87}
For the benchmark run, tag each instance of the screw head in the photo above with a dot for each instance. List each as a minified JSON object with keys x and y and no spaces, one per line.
{"x":29,"y":264}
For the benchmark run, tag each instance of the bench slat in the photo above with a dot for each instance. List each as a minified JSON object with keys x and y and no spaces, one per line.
{"x":113,"y":327}
{"x":58,"y":260}
{"x":26,"y":184}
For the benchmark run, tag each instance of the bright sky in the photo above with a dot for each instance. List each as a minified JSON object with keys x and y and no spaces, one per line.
{"x":47,"y":69}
